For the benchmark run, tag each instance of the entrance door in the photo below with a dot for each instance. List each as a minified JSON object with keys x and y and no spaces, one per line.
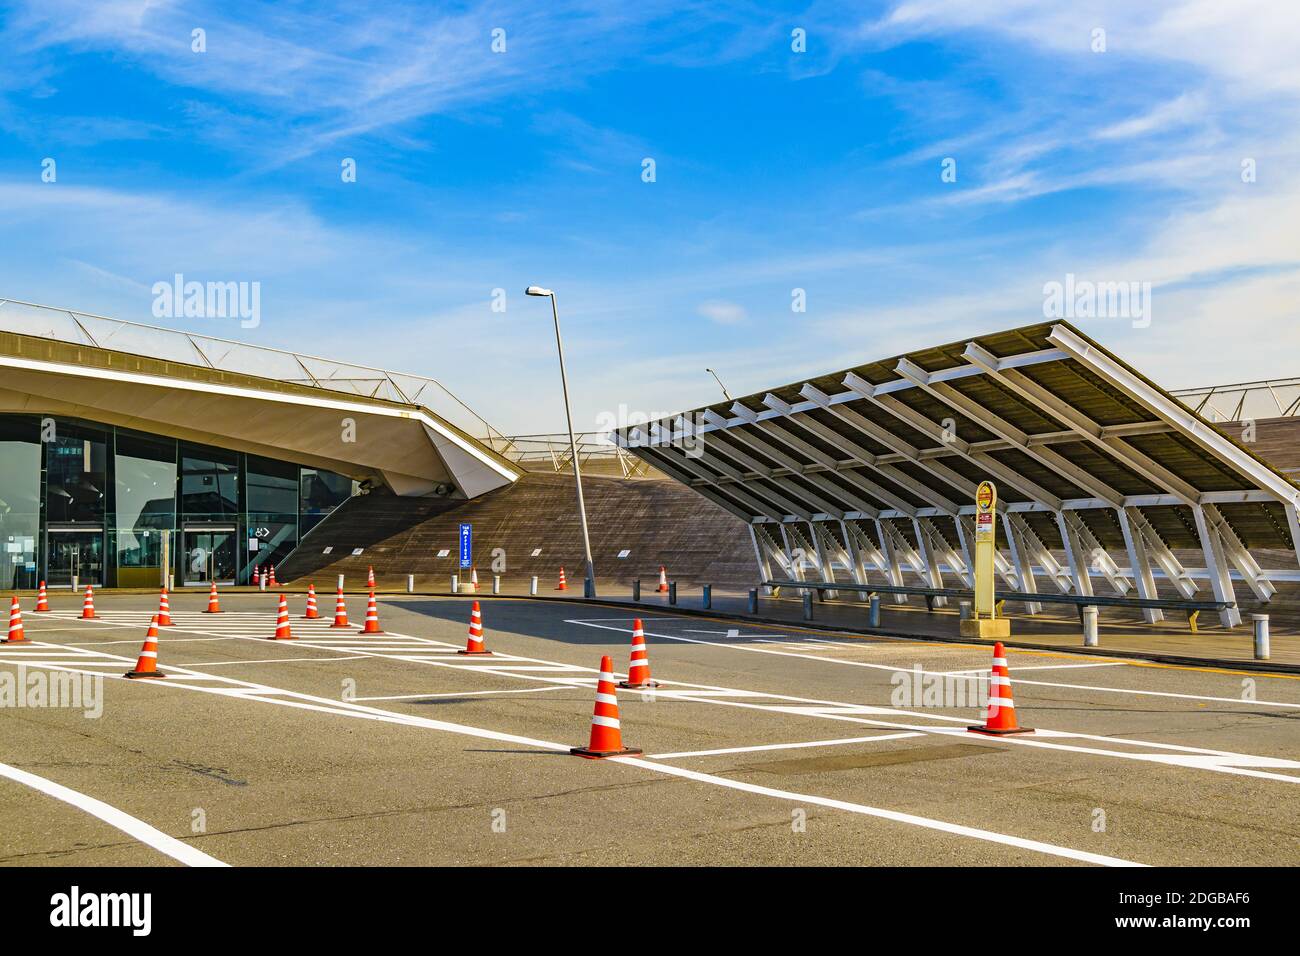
{"x":209,"y":555}
{"x":74,"y":554}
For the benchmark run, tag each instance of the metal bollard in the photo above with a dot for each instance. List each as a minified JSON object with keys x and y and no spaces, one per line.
{"x":708,"y":596}
{"x":455,"y":584}
{"x":588,"y":588}
{"x":807,"y":605}
{"x":1261,"y":636}
{"x":636,"y":591}
{"x":410,"y":584}
{"x":340,"y":582}
{"x":496,"y":584}
{"x":873,"y":611}
{"x":753,"y":600}
{"x":963,"y":610}
{"x":1089,"y":627}
{"x":532,"y":586}
{"x":672,"y":592}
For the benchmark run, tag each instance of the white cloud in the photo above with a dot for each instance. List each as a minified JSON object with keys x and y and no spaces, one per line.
{"x":723,"y":313}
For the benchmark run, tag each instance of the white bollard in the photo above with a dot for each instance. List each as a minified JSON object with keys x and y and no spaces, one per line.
{"x":340,"y":582}
{"x":532,"y":586}
{"x":410,"y":584}
{"x":455,"y":584}
{"x":1261,"y":636}
{"x":1090,"y":627}
{"x":496,"y":584}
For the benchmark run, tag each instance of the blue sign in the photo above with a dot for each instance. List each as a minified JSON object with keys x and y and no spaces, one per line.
{"x":466,"y":545}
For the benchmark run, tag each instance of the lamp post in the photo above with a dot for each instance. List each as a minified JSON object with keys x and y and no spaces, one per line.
{"x":573,"y":445}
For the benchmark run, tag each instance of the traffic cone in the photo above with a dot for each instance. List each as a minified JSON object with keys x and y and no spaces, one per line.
{"x":370,"y":577}
{"x":372,"y":617}
{"x":146,"y":668}
{"x":312,"y":612}
{"x":475,"y":643}
{"x":473,"y":579}
{"x":606,"y":736}
{"x":340,"y":611}
{"x":164,"y":610}
{"x":282,"y":632}
{"x":274,"y":583}
{"x":16,"y":635}
{"x":1001,"y":718}
{"x":663,"y":580}
{"x":563,"y":585}
{"x":42,"y":599}
{"x":88,"y":605}
{"x":214,"y":603}
{"x":638,"y":671}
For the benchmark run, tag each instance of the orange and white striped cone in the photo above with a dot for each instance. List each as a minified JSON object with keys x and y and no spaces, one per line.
{"x":88,"y":605}
{"x":16,"y":635}
{"x":282,"y":632}
{"x":1001,"y":718}
{"x":214,"y":603}
{"x":164,"y":610}
{"x":370,"y":576}
{"x":274,"y":583}
{"x":372,"y":617}
{"x":42,"y":599}
{"x":475,"y":643}
{"x":473,"y":579}
{"x":146,"y":667}
{"x":340,"y":611}
{"x":312,"y":611}
{"x":563,"y":585}
{"x":638,"y":671}
{"x":663,"y":580}
{"x":606,"y":735}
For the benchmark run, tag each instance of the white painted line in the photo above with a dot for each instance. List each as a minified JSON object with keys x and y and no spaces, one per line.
{"x":114,"y":817}
{"x":806,"y":743}
{"x":281,"y":660}
{"x":469,"y":693}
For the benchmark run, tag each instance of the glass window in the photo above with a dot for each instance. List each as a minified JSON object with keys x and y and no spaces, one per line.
{"x":209,"y":483}
{"x":145,"y":488}
{"x":320,"y":492}
{"x":272,"y":486}
{"x":20,"y":500}
{"x":76,"y":476}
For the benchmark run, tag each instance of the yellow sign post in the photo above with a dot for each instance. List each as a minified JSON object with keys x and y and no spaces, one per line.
{"x":984,"y":621}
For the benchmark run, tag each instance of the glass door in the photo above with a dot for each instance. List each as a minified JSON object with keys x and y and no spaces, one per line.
{"x":209,"y":555}
{"x":76,"y":557}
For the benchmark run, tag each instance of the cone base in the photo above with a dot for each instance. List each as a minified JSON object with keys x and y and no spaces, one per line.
{"x":476,"y":653}
{"x":341,"y":627}
{"x":599,"y":754}
{"x":86,"y":617}
{"x":287,"y":637}
{"x":311,"y":617}
{"x":210,"y":611}
{"x":641,"y":686}
{"x":994,"y":732}
{"x":41,"y":610}
{"x":561,"y":589}
{"x":144,"y":675}
{"x":166,"y":624}
{"x":364,"y":631}
{"x":16,"y":640}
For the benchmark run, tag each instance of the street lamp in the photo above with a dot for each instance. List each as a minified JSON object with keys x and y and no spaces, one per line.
{"x":536,"y":290}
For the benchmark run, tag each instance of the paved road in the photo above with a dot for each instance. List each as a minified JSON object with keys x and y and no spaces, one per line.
{"x":762,"y":747}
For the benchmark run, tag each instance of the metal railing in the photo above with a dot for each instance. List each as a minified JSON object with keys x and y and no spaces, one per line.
{"x":596,"y":453}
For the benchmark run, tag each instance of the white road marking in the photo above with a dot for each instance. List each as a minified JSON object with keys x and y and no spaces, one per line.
{"x":280,"y":660}
{"x":807,"y":743}
{"x":114,"y":817}
{"x":469,"y":693}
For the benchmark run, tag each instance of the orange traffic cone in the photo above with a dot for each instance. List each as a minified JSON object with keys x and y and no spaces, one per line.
{"x":164,"y":610}
{"x":214,"y":603}
{"x":1001,"y":717}
{"x":473,"y":579}
{"x":370,"y":577}
{"x":372,"y":617}
{"x":475,"y":643}
{"x":274,"y":583}
{"x":146,"y":668}
{"x":606,"y":735}
{"x":16,"y":635}
{"x":282,"y":632}
{"x":88,"y":605}
{"x":312,"y":612}
{"x":563,"y":585}
{"x":663,"y":580}
{"x":638,"y":671}
{"x":42,"y":599}
{"x":340,"y":611}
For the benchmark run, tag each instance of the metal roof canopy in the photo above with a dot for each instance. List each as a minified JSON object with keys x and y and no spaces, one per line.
{"x":879,"y":464}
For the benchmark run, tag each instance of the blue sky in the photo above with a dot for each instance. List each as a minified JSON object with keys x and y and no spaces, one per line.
{"x":775,"y":170}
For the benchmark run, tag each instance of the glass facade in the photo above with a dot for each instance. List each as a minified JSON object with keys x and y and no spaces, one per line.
{"x":82,"y":503}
